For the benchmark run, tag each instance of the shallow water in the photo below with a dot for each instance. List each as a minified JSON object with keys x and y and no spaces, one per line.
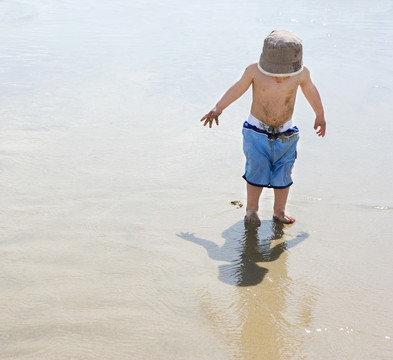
{"x":118,"y":239}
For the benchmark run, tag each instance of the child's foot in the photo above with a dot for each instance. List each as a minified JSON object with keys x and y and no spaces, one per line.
{"x":284,"y":217}
{"x":252,"y":218}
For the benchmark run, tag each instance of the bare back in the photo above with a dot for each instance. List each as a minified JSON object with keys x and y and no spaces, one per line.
{"x":273,"y":99}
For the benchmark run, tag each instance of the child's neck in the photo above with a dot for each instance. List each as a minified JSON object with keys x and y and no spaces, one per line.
{"x":279,"y":80}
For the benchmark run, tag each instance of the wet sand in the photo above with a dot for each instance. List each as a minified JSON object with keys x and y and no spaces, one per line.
{"x":118,"y":237}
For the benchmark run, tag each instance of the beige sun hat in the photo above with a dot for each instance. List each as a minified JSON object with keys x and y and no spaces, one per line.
{"x":282,"y":54}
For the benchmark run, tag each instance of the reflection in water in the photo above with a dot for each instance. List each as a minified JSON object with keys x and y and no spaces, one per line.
{"x":267,"y":320}
{"x":245,"y":246}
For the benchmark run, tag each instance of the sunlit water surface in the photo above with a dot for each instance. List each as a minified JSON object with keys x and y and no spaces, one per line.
{"x":117,"y":236}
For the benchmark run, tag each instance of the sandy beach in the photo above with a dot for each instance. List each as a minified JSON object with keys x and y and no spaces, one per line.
{"x":118,"y":239}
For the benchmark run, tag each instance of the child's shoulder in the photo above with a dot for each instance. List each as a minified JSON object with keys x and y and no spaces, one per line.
{"x":305,"y":76}
{"x":253,"y":67}
{"x":252,"y":70}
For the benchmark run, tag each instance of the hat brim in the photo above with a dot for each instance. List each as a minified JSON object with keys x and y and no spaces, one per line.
{"x":280,"y":75}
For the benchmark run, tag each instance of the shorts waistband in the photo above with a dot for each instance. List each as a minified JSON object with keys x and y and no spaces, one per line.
{"x":252,"y":120}
{"x":272,"y":135}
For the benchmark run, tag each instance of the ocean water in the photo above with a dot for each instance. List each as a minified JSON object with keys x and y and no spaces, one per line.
{"x":118,"y":239}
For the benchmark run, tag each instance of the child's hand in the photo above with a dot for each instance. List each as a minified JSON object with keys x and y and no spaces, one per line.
{"x":212,"y":115}
{"x":320,"y":126}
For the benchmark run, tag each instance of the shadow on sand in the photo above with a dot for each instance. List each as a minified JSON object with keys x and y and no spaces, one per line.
{"x":244,"y":247}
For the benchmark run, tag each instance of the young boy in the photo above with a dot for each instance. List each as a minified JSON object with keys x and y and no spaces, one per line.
{"x":269,"y":135}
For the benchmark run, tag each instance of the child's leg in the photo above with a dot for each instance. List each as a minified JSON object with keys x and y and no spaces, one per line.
{"x":280,"y":202}
{"x":253,"y":195}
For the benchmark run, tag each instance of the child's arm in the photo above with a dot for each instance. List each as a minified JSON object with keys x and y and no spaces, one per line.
{"x":232,"y":94}
{"x":312,"y":95}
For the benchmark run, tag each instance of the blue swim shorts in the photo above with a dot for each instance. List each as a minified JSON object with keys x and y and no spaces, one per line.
{"x":269,"y":156}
